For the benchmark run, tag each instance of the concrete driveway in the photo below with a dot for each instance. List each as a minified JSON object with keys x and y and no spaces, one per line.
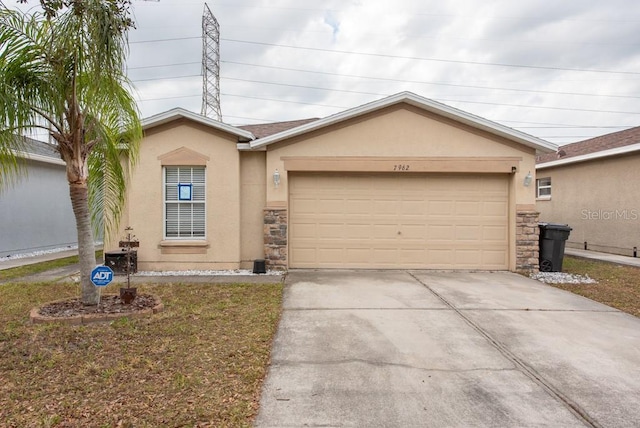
{"x":433,"y":349}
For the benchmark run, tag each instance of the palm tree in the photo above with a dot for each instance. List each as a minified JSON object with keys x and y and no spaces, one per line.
{"x":62,"y":70}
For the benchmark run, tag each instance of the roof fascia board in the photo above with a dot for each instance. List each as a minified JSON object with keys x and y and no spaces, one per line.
{"x":177,"y":113}
{"x":591,"y":156}
{"x":247,"y":147}
{"x":40,"y":158}
{"x":420,"y":102}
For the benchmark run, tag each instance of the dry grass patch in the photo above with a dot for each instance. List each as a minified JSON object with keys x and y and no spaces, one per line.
{"x":618,"y":286}
{"x":201,"y":362}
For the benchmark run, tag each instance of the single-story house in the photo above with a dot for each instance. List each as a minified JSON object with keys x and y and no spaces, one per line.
{"x":402,"y":182}
{"x":592,"y":186}
{"x":35,"y":212}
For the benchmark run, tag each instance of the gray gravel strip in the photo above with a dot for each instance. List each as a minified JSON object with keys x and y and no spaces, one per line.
{"x":562,"y":278}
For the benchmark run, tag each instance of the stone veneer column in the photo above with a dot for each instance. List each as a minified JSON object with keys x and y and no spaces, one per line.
{"x":275,"y":238}
{"x":527,"y":245}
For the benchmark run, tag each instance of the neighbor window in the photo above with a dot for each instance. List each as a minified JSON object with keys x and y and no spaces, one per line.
{"x":543,"y":188}
{"x":184,"y":202}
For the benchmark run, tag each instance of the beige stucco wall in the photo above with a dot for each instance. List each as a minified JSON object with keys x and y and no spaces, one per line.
{"x":399,"y":131}
{"x":240,"y":183}
{"x":599,"y":199}
{"x":252,"y":203}
{"x":144,"y":211}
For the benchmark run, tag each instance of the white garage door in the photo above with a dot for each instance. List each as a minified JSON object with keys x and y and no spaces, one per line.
{"x":393,"y":221}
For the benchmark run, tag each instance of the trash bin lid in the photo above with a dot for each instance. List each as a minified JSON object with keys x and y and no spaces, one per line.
{"x":555,"y":226}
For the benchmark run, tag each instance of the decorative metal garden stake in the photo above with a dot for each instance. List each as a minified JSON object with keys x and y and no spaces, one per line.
{"x":127,"y":295}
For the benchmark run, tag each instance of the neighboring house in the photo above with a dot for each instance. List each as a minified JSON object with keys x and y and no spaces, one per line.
{"x":593,"y":186}
{"x":35,"y":212}
{"x":403,"y":182}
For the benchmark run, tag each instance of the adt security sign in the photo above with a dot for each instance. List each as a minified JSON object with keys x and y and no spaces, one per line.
{"x":101,"y":276}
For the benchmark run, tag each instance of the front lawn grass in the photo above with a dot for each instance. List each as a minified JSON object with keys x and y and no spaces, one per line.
{"x":618,"y":286}
{"x":201,"y":362}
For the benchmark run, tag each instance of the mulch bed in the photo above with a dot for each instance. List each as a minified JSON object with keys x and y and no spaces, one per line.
{"x":108,"y":305}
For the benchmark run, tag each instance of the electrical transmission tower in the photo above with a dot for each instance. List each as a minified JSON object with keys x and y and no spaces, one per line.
{"x":210,"y":65}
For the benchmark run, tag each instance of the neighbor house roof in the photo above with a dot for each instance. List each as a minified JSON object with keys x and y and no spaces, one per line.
{"x":39,"y":151}
{"x":613,"y":144}
{"x":417,"y":101}
{"x":180,"y":113}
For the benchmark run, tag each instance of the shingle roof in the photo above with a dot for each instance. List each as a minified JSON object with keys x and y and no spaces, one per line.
{"x":265,"y":129}
{"x":40,"y":148}
{"x":593,"y":145}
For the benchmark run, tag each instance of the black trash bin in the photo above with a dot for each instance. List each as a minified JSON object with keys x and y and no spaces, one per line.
{"x":552,"y":239}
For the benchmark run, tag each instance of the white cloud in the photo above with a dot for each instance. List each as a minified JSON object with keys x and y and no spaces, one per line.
{"x":432,"y":48}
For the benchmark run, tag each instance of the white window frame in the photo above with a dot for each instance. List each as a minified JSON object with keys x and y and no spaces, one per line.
{"x":177,"y":201}
{"x":540,"y":186}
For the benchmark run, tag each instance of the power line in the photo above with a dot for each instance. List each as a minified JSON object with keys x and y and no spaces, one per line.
{"x":165,"y":40}
{"x":284,"y":101}
{"x":164,"y":65}
{"x":492,"y":64}
{"x":384,"y":79}
{"x":166,"y":78}
{"x":436,"y":99}
{"x":377,"y":94}
{"x":455,"y":85}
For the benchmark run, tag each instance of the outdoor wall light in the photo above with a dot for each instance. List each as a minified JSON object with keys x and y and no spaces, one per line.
{"x":276,"y":178}
{"x":527,"y":179}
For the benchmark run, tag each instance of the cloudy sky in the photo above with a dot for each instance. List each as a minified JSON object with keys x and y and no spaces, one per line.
{"x":561,"y":70}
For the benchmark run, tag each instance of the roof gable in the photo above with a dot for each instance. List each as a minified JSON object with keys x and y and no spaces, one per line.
{"x":183,"y":156}
{"x":180,"y":113}
{"x":419,"y":102}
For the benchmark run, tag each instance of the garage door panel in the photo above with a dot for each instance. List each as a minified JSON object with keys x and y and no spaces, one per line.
{"x":398,"y":221}
{"x":440,"y":232}
{"x":358,"y":206}
{"x":330,"y":254}
{"x":330,"y":231}
{"x":304,"y":206}
{"x":358,"y":231}
{"x":304,"y":230}
{"x":495,"y":208}
{"x":497,"y":233}
{"x":305,"y":256}
{"x":384,"y":206}
{"x":471,"y":233}
{"x":494,"y":258}
{"x":440,"y":258}
{"x":467,"y":258}
{"x":467,"y":208}
{"x":382,"y":256}
{"x":416,"y":232}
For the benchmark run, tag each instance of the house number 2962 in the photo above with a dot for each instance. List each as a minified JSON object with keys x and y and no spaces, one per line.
{"x":401,"y":167}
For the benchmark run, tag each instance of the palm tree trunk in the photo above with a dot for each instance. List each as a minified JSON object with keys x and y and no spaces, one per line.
{"x":86,"y":246}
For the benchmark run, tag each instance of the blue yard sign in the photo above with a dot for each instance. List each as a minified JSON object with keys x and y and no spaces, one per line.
{"x":101,"y":276}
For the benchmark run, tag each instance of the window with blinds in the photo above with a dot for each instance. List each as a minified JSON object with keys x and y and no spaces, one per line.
{"x":184,"y":201}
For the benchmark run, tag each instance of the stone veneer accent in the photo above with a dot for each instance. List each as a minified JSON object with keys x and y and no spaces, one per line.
{"x":275,"y":238}
{"x":527,"y":245}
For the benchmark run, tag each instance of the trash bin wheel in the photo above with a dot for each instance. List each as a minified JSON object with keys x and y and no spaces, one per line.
{"x":546,"y":265}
